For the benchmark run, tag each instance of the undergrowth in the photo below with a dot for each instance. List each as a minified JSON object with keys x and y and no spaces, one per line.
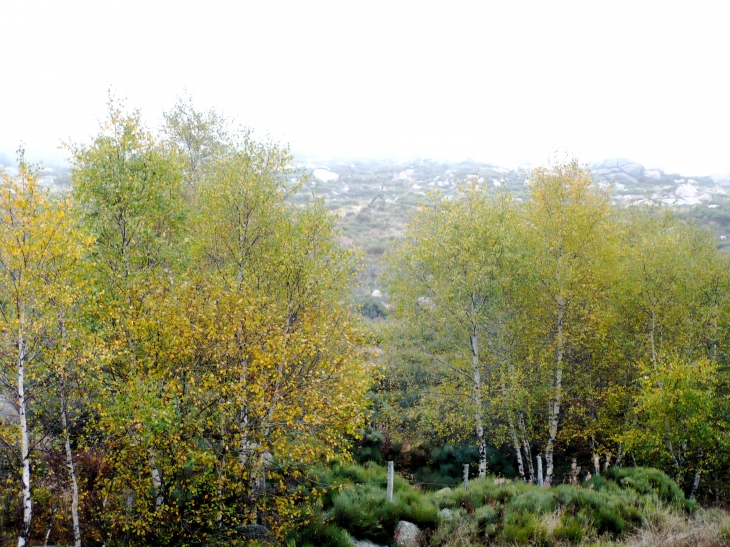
{"x":620,"y":506}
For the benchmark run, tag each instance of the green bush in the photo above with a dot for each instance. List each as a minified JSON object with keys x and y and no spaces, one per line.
{"x":609,"y":512}
{"x":647,"y":481}
{"x":373,"y":308}
{"x":365,"y":512}
{"x":485,"y":516}
{"x":569,"y":530}
{"x":319,"y":534}
{"x":534,"y":500}
{"x":523,"y":529}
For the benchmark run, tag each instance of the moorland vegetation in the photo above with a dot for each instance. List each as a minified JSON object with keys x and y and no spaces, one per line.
{"x":183,"y":362}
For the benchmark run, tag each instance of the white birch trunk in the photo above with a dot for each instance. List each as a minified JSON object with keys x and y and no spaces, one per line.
{"x":71,"y":469}
{"x":24,"y":535}
{"x":526,"y":446}
{"x":554,"y":407}
{"x":479,"y":425}
{"x":156,"y":480}
{"x":596,"y":464}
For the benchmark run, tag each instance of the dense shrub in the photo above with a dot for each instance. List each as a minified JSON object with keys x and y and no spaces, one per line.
{"x":570,"y":530}
{"x":366,"y":513}
{"x":524,"y":528}
{"x":319,"y":534}
{"x":610,"y":513}
{"x":369,"y":447}
{"x":373,"y":308}
{"x":647,"y":481}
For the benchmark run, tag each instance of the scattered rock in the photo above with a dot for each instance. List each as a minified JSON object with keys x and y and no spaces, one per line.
{"x":446,"y":490}
{"x":706,"y":198}
{"x":688,"y":201}
{"x":325,"y":175}
{"x":407,"y":534}
{"x":366,"y":543}
{"x":685,"y":191}
{"x":654,"y":175}
{"x":618,"y":170}
{"x":406,"y":175}
{"x":633,"y":169}
{"x":620,"y":176}
{"x":376,"y":294}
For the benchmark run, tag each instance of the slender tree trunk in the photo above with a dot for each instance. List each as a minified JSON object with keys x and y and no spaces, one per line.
{"x":554,"y":407}
{"x":619,"y":455}
{"x":50,"y":525}
{"x":24,"y":535}
{"x":156,"y":480}
{"x":574,"y":472}
{"x":479,"y":425}
{"x":513,"y":432}
{"x":651,"y":337}
{"x":70,"y":467}
{"x":526,"y":445}
{"x":516,"y":447}
{"x":695,"y":484}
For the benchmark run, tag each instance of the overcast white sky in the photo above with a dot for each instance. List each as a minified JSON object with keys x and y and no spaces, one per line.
{"x":499,"y":81}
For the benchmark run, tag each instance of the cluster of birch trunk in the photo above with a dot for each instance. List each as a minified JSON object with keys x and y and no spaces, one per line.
{"x":564,"y":329}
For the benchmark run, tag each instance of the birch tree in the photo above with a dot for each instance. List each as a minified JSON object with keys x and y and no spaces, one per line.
{"x":568,"y":219}
{"x":448,"y":281}
{"x":38,"y":249}
{"x":288,"y":380}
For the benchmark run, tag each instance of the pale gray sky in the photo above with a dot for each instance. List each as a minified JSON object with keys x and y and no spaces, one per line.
{"x":500,"y":81}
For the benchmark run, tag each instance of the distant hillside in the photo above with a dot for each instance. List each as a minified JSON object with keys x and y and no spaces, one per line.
{"x":374,"y":199}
